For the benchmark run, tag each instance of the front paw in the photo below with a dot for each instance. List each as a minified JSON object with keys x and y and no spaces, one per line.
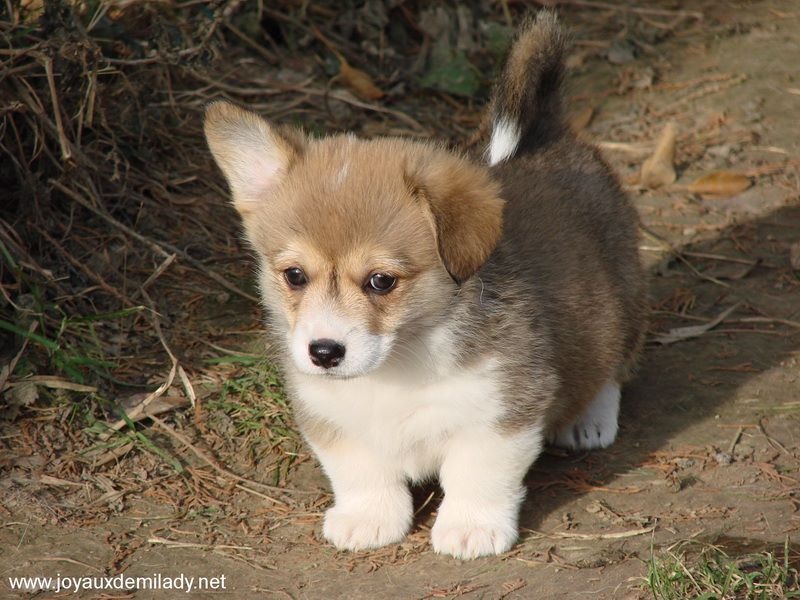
{"x":468,"y":538}
{"x":360,"y":530}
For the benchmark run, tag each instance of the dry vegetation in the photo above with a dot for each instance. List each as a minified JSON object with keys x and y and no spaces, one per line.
{"x":130,"y":356}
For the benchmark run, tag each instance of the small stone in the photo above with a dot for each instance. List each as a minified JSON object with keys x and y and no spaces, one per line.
{"x":722,"y":458}
{"x":594,"y":508}
{"x":644,"y":79}
{"x":621,"y":52}
{"x":722,"y":151}
{"x":794,"y":256}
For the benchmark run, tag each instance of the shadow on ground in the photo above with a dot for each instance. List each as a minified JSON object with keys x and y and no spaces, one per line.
{"x":690,"y":384}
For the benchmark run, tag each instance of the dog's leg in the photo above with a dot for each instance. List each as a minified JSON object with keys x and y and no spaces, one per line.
{"x":482,"y":479}
{"x":372,"y":503}
{"x":596,"y":427}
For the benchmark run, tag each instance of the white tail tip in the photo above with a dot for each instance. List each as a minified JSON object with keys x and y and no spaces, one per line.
{"x":505,"y":139}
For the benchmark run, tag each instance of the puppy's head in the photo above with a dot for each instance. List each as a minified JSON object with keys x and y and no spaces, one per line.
{"x":361,"y":243}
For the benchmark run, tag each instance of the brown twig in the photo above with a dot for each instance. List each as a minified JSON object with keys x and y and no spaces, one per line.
{"x":7,"y":370}
{"x":162,"y":248}
{"x":66,"y":151}
{"x":82,"y":266}
{"x":678,"y":254}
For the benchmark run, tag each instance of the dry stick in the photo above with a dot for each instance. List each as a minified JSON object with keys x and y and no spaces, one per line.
{"x":342,"y":97}
{"x":187,"y":387}
{"x":66,"y":151}
{"x":663,"y":12}
{"x":57,"y":383}
{"x":8,"y":369}
{"x":733,"y":259}
{"x":66,"y":560}
{"x":265,"y":54}
{"x":139,"y":408}
{"x":424,"y":504}
{"x":110,"y":455}
{"x":159,"y":271}
{"x":735,"y":440}
{"x":594,"y":536}
{"x":187,"y":384}
{"x":85,"y":268}
{"x":161,"y":248}
{"x":680,"y":256}
{"x":704,"y":91}
{"x":174,"y":544}
{"x":773,"y":442}
{"x":769,"y":320}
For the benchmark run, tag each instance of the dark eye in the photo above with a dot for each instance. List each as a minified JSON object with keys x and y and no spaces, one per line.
{"x":295,"y":277}
{"x":381,"y":283}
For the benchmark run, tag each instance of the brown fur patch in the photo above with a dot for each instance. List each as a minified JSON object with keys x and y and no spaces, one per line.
{"x":466,"y":207}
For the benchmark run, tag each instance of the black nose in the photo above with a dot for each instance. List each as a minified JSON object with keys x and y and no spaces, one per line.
{"x":326,"y":353}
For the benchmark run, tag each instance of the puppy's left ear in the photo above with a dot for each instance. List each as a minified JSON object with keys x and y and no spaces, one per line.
{"x":253,"y":154}
{"x":466,"y":207}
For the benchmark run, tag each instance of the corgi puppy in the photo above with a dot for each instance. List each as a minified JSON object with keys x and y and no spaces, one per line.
{"x":435,"y":316}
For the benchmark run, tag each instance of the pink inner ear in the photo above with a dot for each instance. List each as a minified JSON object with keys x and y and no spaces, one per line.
{"x":260,"y":170}
{"x":268,"y":173}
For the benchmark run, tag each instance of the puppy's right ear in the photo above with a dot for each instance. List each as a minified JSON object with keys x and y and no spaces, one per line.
{"x":253,"y":155}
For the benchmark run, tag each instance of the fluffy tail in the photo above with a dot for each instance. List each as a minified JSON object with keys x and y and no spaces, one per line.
{"x":525,"y":109}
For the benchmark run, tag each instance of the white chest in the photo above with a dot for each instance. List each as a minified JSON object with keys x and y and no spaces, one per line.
{"x":406,"y":417}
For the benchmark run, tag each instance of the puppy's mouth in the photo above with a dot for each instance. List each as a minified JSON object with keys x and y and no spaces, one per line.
{"x":342,"y":372}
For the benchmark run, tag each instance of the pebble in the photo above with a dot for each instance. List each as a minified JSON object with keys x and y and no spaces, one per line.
{"x":621,"y":53}
{"x":722,"y":458}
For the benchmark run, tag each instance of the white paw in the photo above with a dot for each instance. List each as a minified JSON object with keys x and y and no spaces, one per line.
{"x":360,"y":530}
{"x":470,"y":539}
{"x":596,"y":427}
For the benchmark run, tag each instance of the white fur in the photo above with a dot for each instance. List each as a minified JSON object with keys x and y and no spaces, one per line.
{"x":364,"y":351}
{"x":482,"y":477}
{"x":373,"y":505}
{"x":596,"y":427}
{"x":405,"y":417}
{"x":413,"y":421}
{"x":505,"y":139}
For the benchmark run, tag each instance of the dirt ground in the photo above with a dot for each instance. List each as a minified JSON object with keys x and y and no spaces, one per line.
{"x":709,"y":445}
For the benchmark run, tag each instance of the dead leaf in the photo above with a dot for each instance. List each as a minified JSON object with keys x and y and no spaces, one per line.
{"x":680,"y":334}
{"x":144,"y":410}
{"x":580,"y":120}
{"x":794,"y":256}
{"x":48,"y":480}
{"x":23,"y":394}
{"x":358,"y":81}
{"x":732,"y":271}
{"x":57,"y":383}
{"x":658,"y":170}
{"x":720,"y":184}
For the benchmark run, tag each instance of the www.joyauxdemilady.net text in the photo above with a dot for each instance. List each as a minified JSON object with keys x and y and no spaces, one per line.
{"x":157,"y":581}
